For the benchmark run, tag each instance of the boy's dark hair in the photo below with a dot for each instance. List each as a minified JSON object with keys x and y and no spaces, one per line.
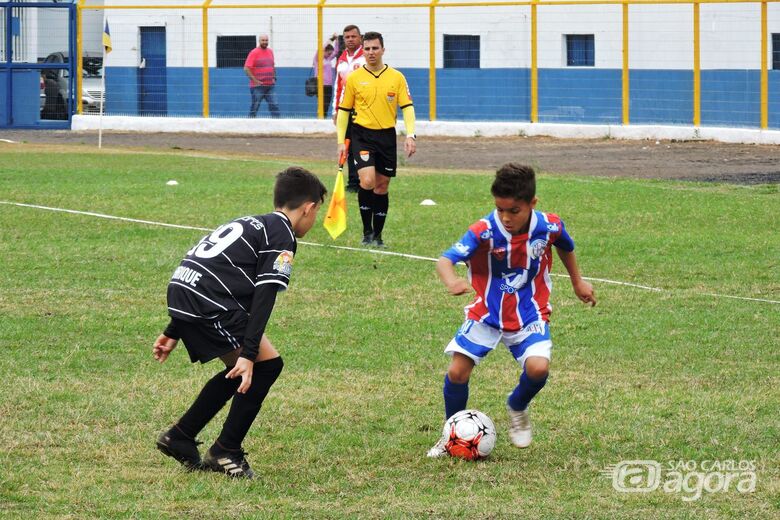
{"x":373,"y":35}
{"x":296,"y":186}
{"x":351,"y":28}
{"x":516,"y":181}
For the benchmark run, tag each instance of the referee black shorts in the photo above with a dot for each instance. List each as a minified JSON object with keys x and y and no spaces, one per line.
{"x":209,"y":339}
{"x":375,"y":148}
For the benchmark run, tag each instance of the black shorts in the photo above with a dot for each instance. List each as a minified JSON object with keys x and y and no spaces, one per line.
{"x":209,"y":339}
{"x":375,"y":148}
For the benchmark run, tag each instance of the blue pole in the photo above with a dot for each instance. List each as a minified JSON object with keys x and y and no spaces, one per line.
{"x":72,"y":61}
{"x":7,"y":60}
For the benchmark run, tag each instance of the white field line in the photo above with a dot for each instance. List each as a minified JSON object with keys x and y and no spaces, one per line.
{"x":738,"y":297}
{"x":361,"y":249}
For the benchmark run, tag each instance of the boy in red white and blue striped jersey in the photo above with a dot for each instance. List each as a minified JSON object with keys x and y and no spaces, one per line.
{"x":509,"y":256}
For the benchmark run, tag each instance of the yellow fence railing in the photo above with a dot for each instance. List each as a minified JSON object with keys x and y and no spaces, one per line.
{"x":436,"y":6}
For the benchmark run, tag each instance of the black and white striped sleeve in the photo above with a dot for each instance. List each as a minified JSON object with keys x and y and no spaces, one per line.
{"x":275,"y":260}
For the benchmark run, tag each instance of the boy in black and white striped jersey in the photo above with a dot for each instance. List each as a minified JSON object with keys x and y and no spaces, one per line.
{"x":220,"y":299}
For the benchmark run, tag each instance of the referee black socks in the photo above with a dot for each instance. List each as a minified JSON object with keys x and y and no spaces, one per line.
{"x":366,"y":205}
{"x":381,"y":203}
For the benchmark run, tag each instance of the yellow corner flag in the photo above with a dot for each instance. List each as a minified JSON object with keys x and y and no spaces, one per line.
{"x":107,"y":38}
{"x":336,"y":217}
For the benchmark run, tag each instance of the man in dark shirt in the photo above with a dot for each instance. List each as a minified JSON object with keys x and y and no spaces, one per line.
{"x":220,"y":299}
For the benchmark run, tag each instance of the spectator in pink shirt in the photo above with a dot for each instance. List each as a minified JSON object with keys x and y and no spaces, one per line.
{"x":259,"y":66}
{"x":329,"y":55}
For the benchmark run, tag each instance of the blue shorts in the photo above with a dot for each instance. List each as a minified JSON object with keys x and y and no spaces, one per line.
{"x":475,"y":340}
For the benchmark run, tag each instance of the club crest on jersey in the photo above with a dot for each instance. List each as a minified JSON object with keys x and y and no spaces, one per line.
{"x":499,"y":253}
{"x":537,"y":248}
{"x":461,"y":248}
{"x":390,"y":97}
{"x":283,"y":263}
{"x":513,"y":281}
{"x":364,"y":155}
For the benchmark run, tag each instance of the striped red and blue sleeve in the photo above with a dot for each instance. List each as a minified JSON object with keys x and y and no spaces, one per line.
{"x":465,"y":248}
{"x":559,"y":237}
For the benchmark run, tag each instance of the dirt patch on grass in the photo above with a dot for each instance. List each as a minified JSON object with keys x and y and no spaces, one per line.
{"x":704,"y":161}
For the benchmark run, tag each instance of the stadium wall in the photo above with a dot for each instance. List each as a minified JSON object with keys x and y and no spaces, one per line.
{"x":260,"y":127}
{"x":674,"y":50}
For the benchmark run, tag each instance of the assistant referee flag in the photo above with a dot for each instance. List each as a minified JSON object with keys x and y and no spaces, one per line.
{"x":336,"y":217}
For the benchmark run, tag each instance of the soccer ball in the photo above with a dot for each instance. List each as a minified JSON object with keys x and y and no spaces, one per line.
{"x":470,"y":435}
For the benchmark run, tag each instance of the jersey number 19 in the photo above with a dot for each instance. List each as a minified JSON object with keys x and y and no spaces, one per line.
{"x":213,"y":244}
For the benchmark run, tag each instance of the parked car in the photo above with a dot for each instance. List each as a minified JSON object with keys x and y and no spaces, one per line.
{"x":56,"y":85}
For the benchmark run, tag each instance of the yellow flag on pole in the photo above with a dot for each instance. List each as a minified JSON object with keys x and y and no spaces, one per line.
{"x":107,"y":38}
{"x":336,"y":217}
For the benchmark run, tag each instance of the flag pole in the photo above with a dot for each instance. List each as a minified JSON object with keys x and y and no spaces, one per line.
{"x":102,"y":97}
{"x":107,"y":46}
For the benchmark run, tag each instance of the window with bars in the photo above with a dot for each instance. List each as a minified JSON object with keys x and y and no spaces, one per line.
{"x":580,"y":50}
{"x":232,"y":50}
{"x":775,"y":51}
{"x":461,"y":51}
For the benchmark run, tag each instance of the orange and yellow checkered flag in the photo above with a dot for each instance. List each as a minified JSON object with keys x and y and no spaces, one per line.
{"x":336,"y":217}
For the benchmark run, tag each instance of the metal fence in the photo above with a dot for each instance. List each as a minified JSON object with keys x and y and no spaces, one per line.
{"x":704,"y":62}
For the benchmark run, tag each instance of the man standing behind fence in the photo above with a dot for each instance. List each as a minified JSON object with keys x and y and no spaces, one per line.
{"x":351,"y":59}
{"x":259,"y":66}
{"x":375,"y":92}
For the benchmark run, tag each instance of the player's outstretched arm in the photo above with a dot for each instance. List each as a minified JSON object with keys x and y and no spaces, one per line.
{"x":583,"y":289}
{"x":163,"y":346}
{"x":454,"y":283}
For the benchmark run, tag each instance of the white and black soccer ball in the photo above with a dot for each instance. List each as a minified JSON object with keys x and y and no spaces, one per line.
{"x":470,"y":435}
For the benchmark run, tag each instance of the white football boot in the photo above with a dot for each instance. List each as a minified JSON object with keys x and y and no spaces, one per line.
{"x":438,"y":449}
{"x":519,"y":427}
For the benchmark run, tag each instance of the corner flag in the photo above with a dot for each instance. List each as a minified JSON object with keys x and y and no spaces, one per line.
{"x":336,"y":217}
{"x":107,"y":38}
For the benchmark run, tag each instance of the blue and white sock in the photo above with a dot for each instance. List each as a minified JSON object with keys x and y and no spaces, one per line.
{"x":455,"y":396}
{"x":525,"y":391}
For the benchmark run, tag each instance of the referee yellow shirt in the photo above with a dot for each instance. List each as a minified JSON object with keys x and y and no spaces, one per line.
{"x":376,"y":97}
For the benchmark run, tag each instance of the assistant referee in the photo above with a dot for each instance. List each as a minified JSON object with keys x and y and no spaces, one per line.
{"x":375,"y":91}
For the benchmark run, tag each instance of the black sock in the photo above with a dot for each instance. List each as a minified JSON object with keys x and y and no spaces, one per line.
{"x":381,"y":203}
{"x":211,"y":399}
{"x":366,"y":204}
{"x":245,"y":407}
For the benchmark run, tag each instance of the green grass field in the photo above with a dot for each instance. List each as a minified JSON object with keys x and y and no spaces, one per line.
{"x":670,"y":375}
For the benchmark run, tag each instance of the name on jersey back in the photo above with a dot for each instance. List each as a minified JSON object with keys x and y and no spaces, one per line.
{"x":187,"y":275}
